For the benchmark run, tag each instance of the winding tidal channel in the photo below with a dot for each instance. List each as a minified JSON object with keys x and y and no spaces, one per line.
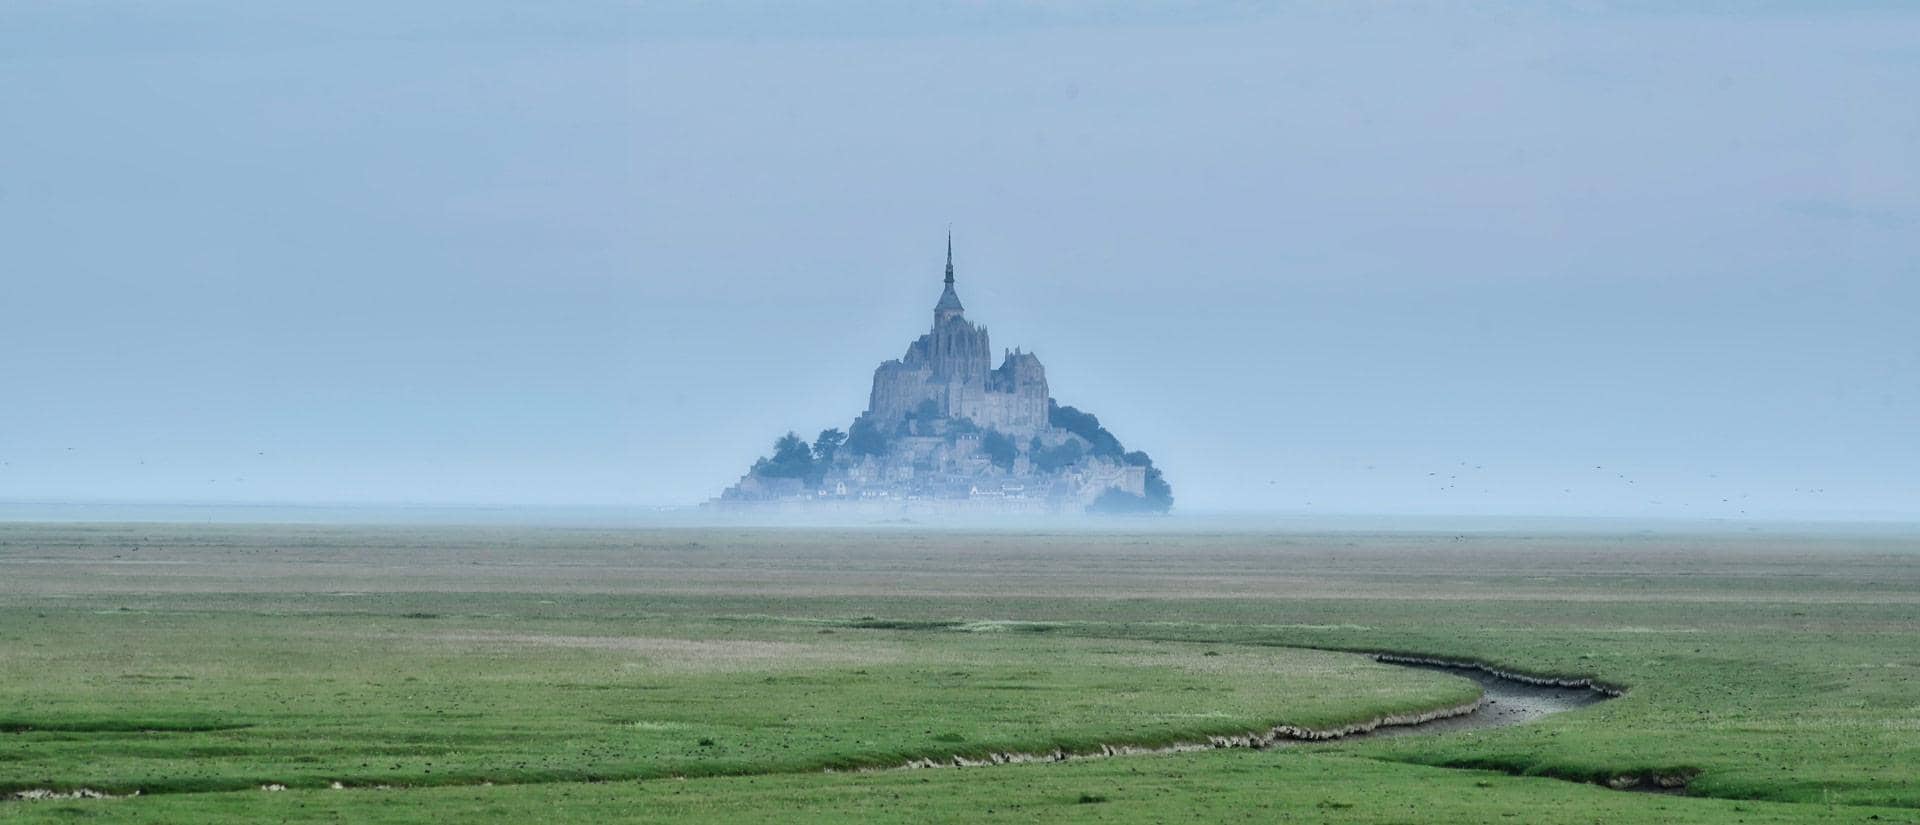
{"x":1506,"y":699}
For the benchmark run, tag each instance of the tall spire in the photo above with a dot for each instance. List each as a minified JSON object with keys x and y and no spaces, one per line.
{"x":949,"y":306}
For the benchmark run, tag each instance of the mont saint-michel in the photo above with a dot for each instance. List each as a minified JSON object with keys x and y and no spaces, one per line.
{"x":946,"y":431}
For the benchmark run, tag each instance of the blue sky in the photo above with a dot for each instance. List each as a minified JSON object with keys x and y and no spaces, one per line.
{"x":1557,"y":259}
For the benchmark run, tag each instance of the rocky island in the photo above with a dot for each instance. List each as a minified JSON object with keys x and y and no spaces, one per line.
{"x":946,"y":432}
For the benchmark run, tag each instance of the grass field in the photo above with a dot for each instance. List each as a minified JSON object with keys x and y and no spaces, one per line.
{"x":676,"y":674}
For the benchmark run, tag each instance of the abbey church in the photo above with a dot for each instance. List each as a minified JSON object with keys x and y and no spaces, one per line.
{"x":950,"y":367}
{"x":945,"y":431}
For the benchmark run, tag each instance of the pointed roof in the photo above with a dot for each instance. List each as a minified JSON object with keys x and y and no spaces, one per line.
{"x":949,"y":300}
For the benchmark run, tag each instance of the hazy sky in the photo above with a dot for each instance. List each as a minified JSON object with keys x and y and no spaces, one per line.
{"x":1576,"y":258}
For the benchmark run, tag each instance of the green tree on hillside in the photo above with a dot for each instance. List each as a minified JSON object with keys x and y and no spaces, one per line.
{"x":1051,"y":459}
{"x":792,"y":458}
{"x":828,"y":444}
{"x":1087,"y":426}
{"x":999,"y":448}
{"x":864,"y":438}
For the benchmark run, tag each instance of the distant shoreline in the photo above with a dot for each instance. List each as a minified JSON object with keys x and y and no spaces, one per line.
{"x":693,"y":516}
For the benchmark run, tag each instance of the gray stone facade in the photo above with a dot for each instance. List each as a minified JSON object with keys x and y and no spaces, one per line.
{"x":951,"y":366}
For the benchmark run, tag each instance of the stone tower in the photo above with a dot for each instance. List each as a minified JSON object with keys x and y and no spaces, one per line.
{"x":951,"y":366}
